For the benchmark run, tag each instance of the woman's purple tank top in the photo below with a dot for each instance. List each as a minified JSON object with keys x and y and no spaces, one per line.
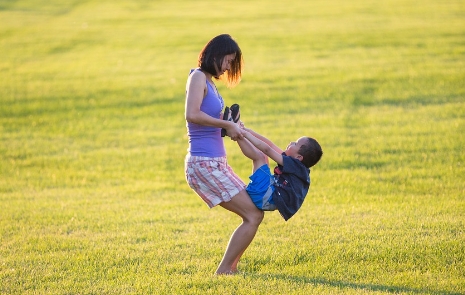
{"x":206,"y":141}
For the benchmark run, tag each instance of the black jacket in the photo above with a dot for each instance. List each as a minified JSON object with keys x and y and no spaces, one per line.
{"x":292,"y":181}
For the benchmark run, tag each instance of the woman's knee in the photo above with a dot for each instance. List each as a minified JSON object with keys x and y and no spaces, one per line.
{"x":260,"y":217}
{"x":255,"y":217}
{"x":243,"y":206}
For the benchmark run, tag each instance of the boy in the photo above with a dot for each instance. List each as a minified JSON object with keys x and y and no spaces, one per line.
{"x":287,"y":188}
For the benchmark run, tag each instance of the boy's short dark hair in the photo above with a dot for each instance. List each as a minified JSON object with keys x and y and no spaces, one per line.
{"x":311,"y":152}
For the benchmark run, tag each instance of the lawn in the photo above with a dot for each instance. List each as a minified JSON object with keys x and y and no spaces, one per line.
{"x":92,"y":143}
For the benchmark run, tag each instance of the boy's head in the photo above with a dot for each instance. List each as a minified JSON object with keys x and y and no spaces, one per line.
{"x":306,"y":149}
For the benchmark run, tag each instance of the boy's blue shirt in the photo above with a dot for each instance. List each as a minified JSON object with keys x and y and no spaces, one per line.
{"x":292,"y":182}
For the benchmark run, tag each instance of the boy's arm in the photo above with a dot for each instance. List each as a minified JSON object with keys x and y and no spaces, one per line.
{"x":265,"y":140}
{"x":264,"y":146}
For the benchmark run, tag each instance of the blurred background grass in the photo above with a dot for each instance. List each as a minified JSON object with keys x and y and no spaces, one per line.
{"x":93,"y":138}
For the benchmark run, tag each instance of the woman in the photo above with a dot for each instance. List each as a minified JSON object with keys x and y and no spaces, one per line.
{"x":207,"y":171}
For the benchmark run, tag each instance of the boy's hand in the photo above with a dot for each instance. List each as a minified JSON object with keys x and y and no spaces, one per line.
{"x":243,"y":128}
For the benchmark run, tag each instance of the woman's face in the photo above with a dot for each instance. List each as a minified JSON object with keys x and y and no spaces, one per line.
{"x":226,"y":65}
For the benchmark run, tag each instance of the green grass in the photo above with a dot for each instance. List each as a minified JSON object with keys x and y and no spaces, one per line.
{"x":92,"y":141}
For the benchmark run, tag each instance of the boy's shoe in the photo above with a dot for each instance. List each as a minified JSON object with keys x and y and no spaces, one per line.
{"x":231,"y":114}
{"x":226,"y":117}
{"x":235,"y":113}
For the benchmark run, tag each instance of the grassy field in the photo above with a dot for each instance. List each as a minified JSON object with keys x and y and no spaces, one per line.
{"x":92,"y":142}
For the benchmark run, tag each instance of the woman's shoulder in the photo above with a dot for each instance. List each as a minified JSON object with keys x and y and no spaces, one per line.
{"x":196,"y":72}
{"x":196,"y":79}
{"x":197,"y":75}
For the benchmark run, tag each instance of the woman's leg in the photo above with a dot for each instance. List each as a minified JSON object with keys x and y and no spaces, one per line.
{"x":242,"y":205}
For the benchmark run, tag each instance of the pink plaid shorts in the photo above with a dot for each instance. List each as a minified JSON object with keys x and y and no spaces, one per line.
{"x":212,"y":179}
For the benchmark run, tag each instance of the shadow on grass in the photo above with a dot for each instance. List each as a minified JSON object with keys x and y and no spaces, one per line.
{"x":355,"y":286}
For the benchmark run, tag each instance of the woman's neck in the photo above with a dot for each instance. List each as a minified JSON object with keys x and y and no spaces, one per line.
{"x":208,"y":76}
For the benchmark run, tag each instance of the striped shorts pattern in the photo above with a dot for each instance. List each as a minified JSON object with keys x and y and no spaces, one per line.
{"x":212,"y":179}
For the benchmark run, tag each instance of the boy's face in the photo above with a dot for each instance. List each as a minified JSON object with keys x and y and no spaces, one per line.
{"x":293,"y":148}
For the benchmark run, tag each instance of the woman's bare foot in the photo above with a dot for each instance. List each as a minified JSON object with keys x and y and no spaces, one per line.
{"x":228,"y":273}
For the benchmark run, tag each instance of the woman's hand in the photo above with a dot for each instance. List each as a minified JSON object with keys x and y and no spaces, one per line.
{"x":234,"y":131}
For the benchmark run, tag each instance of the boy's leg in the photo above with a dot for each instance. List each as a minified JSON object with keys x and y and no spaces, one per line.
{"x":250,"y":151}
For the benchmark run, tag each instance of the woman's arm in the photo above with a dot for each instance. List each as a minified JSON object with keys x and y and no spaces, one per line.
{"x":195,"y":92}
